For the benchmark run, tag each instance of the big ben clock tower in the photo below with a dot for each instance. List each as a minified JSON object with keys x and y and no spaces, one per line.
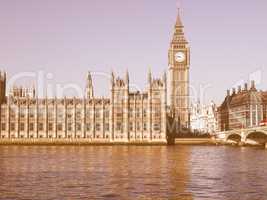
{"x":179,"y":62}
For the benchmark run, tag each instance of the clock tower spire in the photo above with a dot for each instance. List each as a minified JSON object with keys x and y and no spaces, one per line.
{"x":179,"y":62}
{"x":178,"y":20}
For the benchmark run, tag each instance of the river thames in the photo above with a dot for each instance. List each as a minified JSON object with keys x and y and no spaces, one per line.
{"x":133,"y":172}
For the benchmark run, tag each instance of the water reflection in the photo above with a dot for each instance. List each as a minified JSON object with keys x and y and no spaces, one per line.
{"x":132,"y":172}
{"x":120,"y":172}
{"x":229,"y":173}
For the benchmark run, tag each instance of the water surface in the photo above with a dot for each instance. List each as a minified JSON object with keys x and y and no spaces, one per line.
{"x":132,"y":172}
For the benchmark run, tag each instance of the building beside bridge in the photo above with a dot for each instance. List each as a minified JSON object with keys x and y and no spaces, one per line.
{"x":243,"y":108}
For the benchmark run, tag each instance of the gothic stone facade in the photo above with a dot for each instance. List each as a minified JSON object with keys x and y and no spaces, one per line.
{"x":125,"y":116}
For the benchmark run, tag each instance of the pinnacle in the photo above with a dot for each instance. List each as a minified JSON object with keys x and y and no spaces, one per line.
{"x":178,"y":20}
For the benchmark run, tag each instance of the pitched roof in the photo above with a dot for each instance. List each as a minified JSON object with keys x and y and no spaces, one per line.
{"x":244,"y":97}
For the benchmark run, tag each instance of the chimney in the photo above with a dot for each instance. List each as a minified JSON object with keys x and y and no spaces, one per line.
{"x":239,"y":89}
{"x":246,"y":87}
{"x":228,"y":93}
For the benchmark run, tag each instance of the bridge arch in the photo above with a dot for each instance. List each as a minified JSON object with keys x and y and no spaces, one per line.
{"x":256,"y":137}
{"x":234,"y":137}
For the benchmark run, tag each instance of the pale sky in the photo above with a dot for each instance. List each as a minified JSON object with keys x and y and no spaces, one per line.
{"x":228,"y":40}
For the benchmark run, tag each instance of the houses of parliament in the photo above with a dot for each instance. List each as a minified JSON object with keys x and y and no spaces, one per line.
{"x":125,"y":116}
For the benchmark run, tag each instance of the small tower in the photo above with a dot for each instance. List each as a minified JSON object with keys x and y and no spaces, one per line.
{"x":164,"y":79}
{"x":2,"y":87}
{"x":127,"y":81}
{"x":89,"y":87}
{"x":149,"y":77}
{"x":112,"y":79}
{"x":120,"y":102}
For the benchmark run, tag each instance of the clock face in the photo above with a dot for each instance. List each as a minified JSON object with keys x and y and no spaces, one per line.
{"x":180,"y":57}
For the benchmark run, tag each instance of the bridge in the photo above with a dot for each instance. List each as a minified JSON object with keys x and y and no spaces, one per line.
{"x":251,"y":136}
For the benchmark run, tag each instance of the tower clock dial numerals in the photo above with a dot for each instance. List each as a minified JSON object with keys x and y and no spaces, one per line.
{"x":180,"y":57}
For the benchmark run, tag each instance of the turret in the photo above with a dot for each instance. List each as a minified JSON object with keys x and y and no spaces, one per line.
{"x":149,"y":77}
{"x":164,"y":79}
{"x":246,"y":87}
{"x":112,"y":79}
{"x":89,"y":87}
{"x":228,"y":93}
{"x":120,"y":84}
{"x":233,"y":91}
{"x":253,"y":86}
{"x":127,"y":78}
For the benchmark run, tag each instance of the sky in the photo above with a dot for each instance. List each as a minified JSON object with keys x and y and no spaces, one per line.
{"x":62,"y":40}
